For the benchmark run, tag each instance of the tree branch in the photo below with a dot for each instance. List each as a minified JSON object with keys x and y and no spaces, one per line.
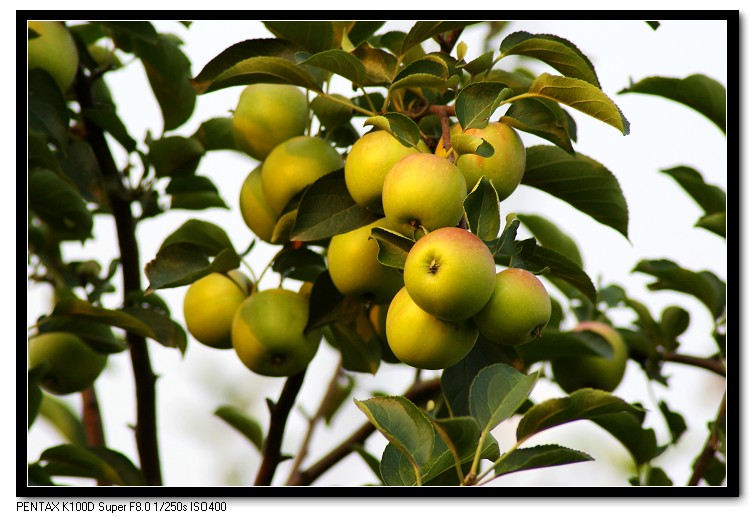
{"x":92,"y":420}
{"x":713,"y":365}
{"x":711,"y":446}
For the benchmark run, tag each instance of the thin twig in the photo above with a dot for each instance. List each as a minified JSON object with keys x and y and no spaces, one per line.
{"x":92,"y":420}
{"x":713,"y":365}
{"x":711,"y":446}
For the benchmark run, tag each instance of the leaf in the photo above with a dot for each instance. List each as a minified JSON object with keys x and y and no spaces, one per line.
{"x":58,"y":203}
{"x":699,"y":92}
{"x":175,"y":156}
{"x":166,"y":331}
{"x":476,"y":103}
{"x":326,"y":209}
{"x":627,"y":428}
{"x":497,"y":392}
{"x":115,"y":318}
{"x":403,"y":424}
{"x":580,"y":181}
{"x":254,"y":61}
{"x":47,"y":110}
{"x":208,"y":237}
{"x":393,"y":247}
{"x":99,"y":336}
{"x":243,"y":423}
{"x":403,"y":129}
{"x":716,"y":223}
{"x":464,"y":143}
{"x":675,"y":421}
{"x":340,"y":63}
{"x":91,"y":462}
{"x":482,"y":210}
{"x":63,"y":418}
{"x":141,"y":30}
{"x":582,"y":96}
{"x":379,"y":65}
{"x":581,"y":404}
{"x":422,"y":73}
{"x":299,"y":264}
{"x":711,"y":198}
{"x":424,"y":30}
{"x":194,"y":193}
{"x":552,"y":345}
{"x":551,"y":236}
{"x":312,"y":35}
{"x":703,"y":285}
{"x":543,"y":118}
{"x":216,"y":134}
{"x":183,"y":263}
{"x":538,"y":457}
{"x":558,"y":52}
{"x":359,"y":346}
{"x":105,"y":117}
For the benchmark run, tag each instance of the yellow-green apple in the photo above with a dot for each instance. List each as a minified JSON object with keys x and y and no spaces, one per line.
{"x":518,"y":309}
{"x":423,"y":190}
{"x":255,"y":210}
{"x":592,"y":371}
{"x":68,"y":363}
{"x":419,"y":339}
{"x":54,"y":51}
{"x":367,"y":164}
{"x":293,"y":165}
{"x":354,"y":267}
{"x":210,"y":304}
{"x":268,"y":333}
{"x":267,"y":115}
{"x":505,"y":168}
{"x":450,"y":273}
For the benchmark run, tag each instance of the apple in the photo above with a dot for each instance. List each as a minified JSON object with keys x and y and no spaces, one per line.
{"x":504,"y":169}
{"x":255,"y":210}
{"x":267,"y":115}
{"x":518,"y":309}
{"x":367,"y":164}
{"x":295,"y":164}
{"x":268,"y":333}
{"x":210,"y":304}
{"x":355,"y":270}
{"x":419,"y":339}
{"x":423,"y":190}
{"x":450,"y":273}
{"x":591,"y":371}
{"x":69,"y":364}
{"x":54,"y":51}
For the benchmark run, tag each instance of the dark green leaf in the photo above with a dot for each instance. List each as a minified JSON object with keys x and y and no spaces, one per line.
{"x":107,"y":119}
{"x":507,"y":243}
{"x":97,"y":335}
{"x":482,"y":210}
{"x":73,"y":307}
{"x":372,"y":462}
{"x":312,"y":36}
{"x":183,"y":263}
{"x":359,"y":346}
{"x":581,"y":404}
{"x":657,"y":477}
{"x":653,"y":24}
{"x":299,"y":264}
{"x":208,"y":237}
{"x":497,"y":392}
{"x":460,"y":434}
{"x":711,"y":198}
{"x":552,"y":345}
{"x":33,"y":401}
{"x":58,"y":203}
{"x":91,"y":462}
{"x":476,"y":103}
{"x":194,"y":193}
{"x":175,"y":156}
{"x":48,"y":114}
{"x":393,"y":247}
{"x":538,"y":457}
{"x":580,"y":181}
{"x":379,"y":65}
{"x":699,"y":92}
{"x":326,"y":209}
{"x":715,"y":472}
{"x":80,"y":165}
{"x":716,"y":223}
{"x":551,"y":236}
{"x":336,"y":396}
{"x":167,"y":332}
{"x":63,"y":418}
{"x":243,"y":423}
{"x":422,"y":73}
{"x":543,"y":118}
{"x":674,"y":321}
{"x":327,"y":304}
{"x":627,"y":428}
{"x":136,"y":29}
{"x":41,"y":155}
{"x":216,"y":134}
{"x":703,"y":285}
{"x":675,"y":422}
{"x":403,"y":129}
{"x":558,"y":52}
{"x":340,"y":63}
{"x":582,"y":96}
{"x":480,"y":64}
{"x":424,"y":30}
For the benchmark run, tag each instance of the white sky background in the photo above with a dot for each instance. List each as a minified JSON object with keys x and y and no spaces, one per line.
{"x":199,"y":449}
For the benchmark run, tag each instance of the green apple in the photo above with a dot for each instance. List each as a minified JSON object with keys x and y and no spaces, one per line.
{"x":54,"y":51}
{"x":355,"y":270}
{"x":590,"y":371}
{"x":518,"y":309}
{"x":210,"y":304}
{"x":450,"y":273}
{"x":423,"y":190}
{"x":267,"y":115}
{"x":255,"y":210}
{"x":367,"y":164}
{"x":504,"y":169}
{"x":419,"y":339}
{"x":268,"y":333}
{"x":293,"y":165}
{"x":69,"y":364}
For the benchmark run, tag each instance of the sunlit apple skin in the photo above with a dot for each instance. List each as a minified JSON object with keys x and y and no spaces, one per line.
{"x":355,"y":270}
{"x":255,"y":210}
{"x":518,"y":309}
{"x":423,"y":190}
{"x":450,"y":273}
{"x":293,"y":165}
{"x":267,"y":115}
{"x":54,"y":51}
{"x":268,"y":333}
{"x":70,"y":364}
{"x":419,"y":339}
{"x":573,"y":373}
{"x":367,"y":164}
{"x":210,"y":304}
{"x":505,"y":169}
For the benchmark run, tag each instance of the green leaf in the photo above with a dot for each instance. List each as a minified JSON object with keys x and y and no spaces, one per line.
{"x":675,"y":421}
{"x":183,"y":263}
{"x":715,"y":472}
{"x":80,"y":165}
{"x":699,"y":92}
{"x":653,"y":24}
{"x":558,"y":52}
{"x":327,"y":304}
{"x":627,"y":428}
{"x":464,"y":143}
{"x":216,"y":134}
{"x":581,"y":404}
{"x":582,"y":96}
{"x":538,"y":457}
{"x":91,"y":462}
{"x":166,"y":331}
{"x":461,"y":435}
{"x":254,"y":61}
{"x":97,"y":335}
{"x":62,"y":418}
{"x":175,"y":156}
{"x":194,"y":193}
{"x":716,"y":223}
{"x":243,"y":423}
{"x":379,"y":65}
{"x":480,"y":64}
{"x":73,"y":307}
{"x":497,"y":392}
{"x":703,"y":285}
{"x":312,"y":36}
{"x":657,"y":477}
{"x":335,"y":399}
{"x":482,"y":210}
{"x":551,"y":236}
{"x":48,"y":114}
{"x":674,"y":321}
{"x":140,"y":30}
{"x":105,"y":117}
{"x":58,"y":203}
{"x":552,"y":345}
{"x":543,"y":118}
{"x":326,"y":209}
{"x":580,"y":181}
{"x":393,"y":247}
{"x":422,"y":73}
{"x":208,"y":237}
{"x":340,"y":63}
{"x":507,"y":243}
{"x":358,"y":344}
{"x":424,"y":30}
{"x":476,"y":103}
{"x":403,"y":424}
{"x":403,"y":129}
{"x":299,"y":264}
{"x":711,"y":198}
